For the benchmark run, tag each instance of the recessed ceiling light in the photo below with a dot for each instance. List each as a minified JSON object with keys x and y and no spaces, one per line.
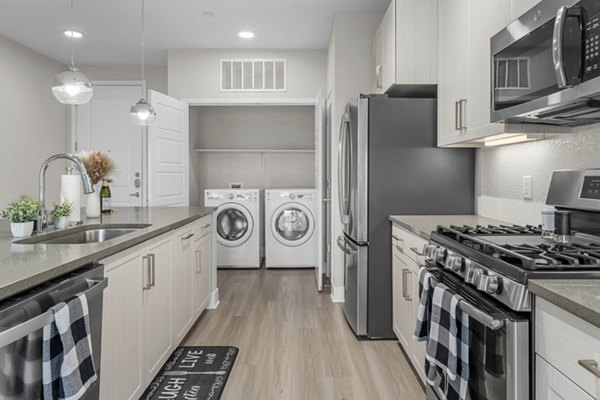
{"x":208,"y":14}
{"x":73,"y":33}
{"x":246,"y":34}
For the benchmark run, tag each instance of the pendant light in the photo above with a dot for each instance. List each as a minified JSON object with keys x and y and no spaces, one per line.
{"x":71,"y":86}
{"x":142,"y":113}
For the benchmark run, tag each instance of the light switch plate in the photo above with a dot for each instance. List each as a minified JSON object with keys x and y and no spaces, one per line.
{"x":236,"y":185}
{"x":527,"y":187}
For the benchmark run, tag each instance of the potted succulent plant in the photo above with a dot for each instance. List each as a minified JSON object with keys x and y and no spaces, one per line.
{"x":98,"y":165}
{"x":22,"y":213}
{"x":61,"y":214}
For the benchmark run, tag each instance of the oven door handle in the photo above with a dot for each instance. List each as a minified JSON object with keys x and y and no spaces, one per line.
{"x":476,"y":313}
{"x":34,"y":324}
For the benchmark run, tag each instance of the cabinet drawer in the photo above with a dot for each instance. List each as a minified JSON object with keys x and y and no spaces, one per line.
{"x":563,"y":340}
{"x":550,"y":384}
{"x":202,"y":227}
{"x":409,"y":244}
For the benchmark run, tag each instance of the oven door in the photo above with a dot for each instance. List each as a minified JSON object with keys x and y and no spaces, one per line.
{"x":499,"y":347}
{"x":535,"y":62}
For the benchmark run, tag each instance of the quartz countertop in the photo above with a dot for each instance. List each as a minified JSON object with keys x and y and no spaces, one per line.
{"x":423,"y":225}
{"x":579,"y":297}
{"x":23,"y":266}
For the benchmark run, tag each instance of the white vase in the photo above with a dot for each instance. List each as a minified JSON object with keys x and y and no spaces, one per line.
{"x":62,"y":222}
{"x":21,"y":229}
{"x":92,"y":209}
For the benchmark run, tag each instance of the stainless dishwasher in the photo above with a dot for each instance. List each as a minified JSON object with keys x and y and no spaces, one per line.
{"x":21,"y":321}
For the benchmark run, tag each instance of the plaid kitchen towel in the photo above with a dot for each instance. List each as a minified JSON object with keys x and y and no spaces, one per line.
{"x":422,"y":329}
{"x":447,"y":351}
{"x":68,"y":368}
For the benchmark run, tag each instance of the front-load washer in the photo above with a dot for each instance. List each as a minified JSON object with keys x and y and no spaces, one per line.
{"x":290,"y":228}
{"x":237,"y":226}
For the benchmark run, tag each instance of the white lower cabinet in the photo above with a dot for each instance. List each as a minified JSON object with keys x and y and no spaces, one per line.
{"x":155,"y":293}
{"x":157,"y":308}
{"x":406,"y":248}
{"x":550,"y":384}
{"x":202,"y":264}
{"x":183,"y":269}
{"x":567,"y":354}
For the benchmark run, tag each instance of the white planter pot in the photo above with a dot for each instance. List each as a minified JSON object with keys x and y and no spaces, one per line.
{"x":21,"y":229}
{"x":92,"y":209}
{"x":62,"y":222}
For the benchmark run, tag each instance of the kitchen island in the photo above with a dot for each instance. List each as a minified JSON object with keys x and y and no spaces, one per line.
{"x":24,"y":266}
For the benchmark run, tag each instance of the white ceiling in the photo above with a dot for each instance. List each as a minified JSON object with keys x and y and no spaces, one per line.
{"x":112,"y":27}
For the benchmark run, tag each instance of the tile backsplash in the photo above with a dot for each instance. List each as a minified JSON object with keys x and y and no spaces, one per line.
{"x":500,"y":172}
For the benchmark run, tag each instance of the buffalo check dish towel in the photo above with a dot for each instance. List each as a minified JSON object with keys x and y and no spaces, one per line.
{"x":68,"y":368}
{"x":422,"y":330}
{"x":447,"y":352}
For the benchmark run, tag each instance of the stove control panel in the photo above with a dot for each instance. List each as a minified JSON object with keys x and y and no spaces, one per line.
{"x":591,"y":188}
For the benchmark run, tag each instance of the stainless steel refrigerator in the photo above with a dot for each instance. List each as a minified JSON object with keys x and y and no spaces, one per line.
{"x":389,"y":165}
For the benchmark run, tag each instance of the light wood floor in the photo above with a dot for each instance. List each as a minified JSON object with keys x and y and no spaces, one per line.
{"x":295,"y":344}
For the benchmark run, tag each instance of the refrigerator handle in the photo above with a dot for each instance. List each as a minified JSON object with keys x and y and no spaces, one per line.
{"x":342,"y":168}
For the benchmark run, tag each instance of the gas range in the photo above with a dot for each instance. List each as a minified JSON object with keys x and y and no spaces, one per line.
{"x":499,"y":260}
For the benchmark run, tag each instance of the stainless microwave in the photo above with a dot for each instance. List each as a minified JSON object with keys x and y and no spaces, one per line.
{"x":546,"y":65}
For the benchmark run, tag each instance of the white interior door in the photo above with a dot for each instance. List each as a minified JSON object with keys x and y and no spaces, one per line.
{"x":320,"y":184}
{"x":168,"y":152}
{"x":104,"y":124}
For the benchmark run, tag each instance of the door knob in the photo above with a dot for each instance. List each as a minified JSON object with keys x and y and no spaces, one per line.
{"x":136,"y":194}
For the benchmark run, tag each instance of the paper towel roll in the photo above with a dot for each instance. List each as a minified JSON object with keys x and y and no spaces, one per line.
{"x":70,"y":190}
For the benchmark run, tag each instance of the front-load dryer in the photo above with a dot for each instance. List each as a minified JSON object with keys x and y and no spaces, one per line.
{"x":237,"y":226}
{"x":290,"y":228}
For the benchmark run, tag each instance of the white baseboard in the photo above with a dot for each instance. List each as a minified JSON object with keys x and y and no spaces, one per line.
{"x":214,"y":300}
{"x":337,"y":294}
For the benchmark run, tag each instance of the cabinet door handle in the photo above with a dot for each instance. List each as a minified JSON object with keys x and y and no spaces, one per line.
{"x":463,"y":107}
{"x":152,"y":270}
{"x":379,"y":76}
{"x":198,"y":261}
{"x":146,"y":263}
{"x":187,"y":237}
{"x":456,"y":116}
{"x":405,"y":285}
{"x":205,"y":226}
{"x":416,"y":251}
{"x":591,"y":366}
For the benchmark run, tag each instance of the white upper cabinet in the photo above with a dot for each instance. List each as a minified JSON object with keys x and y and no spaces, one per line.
{"x":405,"y":45}
{"x":416,"y":42}
{"x":384,"y":50}
{"x":464,"y":74}
{"x":519,"y":7}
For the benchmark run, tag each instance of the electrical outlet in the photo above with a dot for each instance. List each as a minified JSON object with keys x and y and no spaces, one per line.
{"x":527,"y":187}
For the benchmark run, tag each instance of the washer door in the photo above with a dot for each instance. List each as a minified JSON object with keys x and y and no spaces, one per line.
{"x":292,"y":224}
{"x":234,"y":225}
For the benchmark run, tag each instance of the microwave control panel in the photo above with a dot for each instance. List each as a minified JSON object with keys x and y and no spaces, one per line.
{"x":591,"y":36}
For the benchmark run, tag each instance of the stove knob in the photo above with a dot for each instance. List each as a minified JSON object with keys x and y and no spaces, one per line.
{"x":483,"y":282}
{"x":453,"y":263}
{"x":429,"y":249}
{"x":473,"y":275}
{"x":440,"y":254}
{"x":493,"y":285}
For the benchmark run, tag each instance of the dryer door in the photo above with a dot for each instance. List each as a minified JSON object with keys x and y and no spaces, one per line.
{"x":292,"y":224}
{"x":234,"y":225}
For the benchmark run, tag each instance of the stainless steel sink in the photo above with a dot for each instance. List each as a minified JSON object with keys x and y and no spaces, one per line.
{"x":84,"y":234}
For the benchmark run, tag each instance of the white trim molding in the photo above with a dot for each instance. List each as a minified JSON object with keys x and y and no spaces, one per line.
{"x":267,"y":101}
{"x":337,"y":294}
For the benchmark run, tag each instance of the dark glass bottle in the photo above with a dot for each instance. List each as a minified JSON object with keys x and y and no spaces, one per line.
{"x":105,"y":200}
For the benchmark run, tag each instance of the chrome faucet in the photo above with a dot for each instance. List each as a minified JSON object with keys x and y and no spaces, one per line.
{"x":88,"y":187}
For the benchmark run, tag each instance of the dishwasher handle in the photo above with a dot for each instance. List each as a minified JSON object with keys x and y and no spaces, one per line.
{"x":15,"y":333}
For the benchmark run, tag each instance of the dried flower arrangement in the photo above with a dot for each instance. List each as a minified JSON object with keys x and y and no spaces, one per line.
{"x":97,"y":164}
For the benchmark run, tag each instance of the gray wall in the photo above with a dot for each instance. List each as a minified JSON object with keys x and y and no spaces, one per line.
{"x":33,"y":124}
{"x":349,"y":72}
{"x":285,"y":127}
{"x":156,"y":76}
{"x":196,"y":73}
{"x":500,"y":172}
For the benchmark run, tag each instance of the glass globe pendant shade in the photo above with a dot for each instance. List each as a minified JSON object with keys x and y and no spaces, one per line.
{"x":142,"y":113}
{"x":72,"y":87}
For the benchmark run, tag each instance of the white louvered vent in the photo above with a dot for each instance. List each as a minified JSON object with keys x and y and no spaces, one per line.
{"x":253,"y":75}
